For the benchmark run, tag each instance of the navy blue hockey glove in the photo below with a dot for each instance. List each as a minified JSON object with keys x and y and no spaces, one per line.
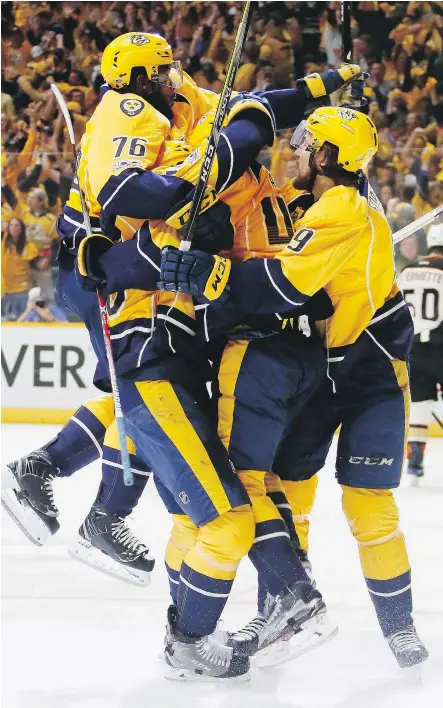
{"x":107,"y":225}
{"x":88,"y":272}
{"x":214,"y":231}
{"x":196,"y":273}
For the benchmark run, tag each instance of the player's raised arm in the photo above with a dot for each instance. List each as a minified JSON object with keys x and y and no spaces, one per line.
{"x":333,"y":87}
{"x":331,"y":149}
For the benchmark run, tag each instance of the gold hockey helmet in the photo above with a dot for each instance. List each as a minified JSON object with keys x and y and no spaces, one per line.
{"x":135,"y":49}
{"x":353,"y":133}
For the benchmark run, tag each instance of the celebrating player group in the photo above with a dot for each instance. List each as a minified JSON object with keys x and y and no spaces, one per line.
{"x":285,"y":308}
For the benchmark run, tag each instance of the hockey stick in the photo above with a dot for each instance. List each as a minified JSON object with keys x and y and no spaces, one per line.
{"x":217,"y":126}
{"x":417,"y":224}
{"x":346,"y":31}
{"x":128,"y":477}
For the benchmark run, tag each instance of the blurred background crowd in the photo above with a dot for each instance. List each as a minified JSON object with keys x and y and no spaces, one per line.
{"x":398,"y":43}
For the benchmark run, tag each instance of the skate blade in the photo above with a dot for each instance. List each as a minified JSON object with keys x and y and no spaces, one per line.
{"x":27,"y":520}
{"x":8,"y":479}
{"x":413,"y":675}
{"x":313,"y":634}
{"x":86,"y":553}
{"x":414,"y":481}
{"x":189,"y":676}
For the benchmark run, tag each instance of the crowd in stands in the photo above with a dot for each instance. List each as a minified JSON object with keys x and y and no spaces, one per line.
{"x":399,"y":44}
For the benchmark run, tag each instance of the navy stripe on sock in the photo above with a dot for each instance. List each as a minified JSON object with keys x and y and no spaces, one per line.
{"x":392,"y":600}
{"x":78,"y":443}
{"x":391,"y":585}
{"x":267,"y":528}
{"x":111,"y":455}
{"x":173,"y":578}
{"x":200,"y":601}
{"x":93,"y":423}
{"x":113,"y":494}
{"x":274,"y":558}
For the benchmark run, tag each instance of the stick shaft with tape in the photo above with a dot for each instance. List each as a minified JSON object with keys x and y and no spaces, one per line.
{"x":418,"y":224}
{"x":128,"y":477}
{"x":346,"y":31}
{"x":217,"y":126}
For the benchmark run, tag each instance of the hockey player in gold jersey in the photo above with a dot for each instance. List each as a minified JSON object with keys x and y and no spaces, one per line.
{"x":343,"y":244}
{"x":209,"y":492}
{"x":139,"y":150}
{"x":171,"y":315}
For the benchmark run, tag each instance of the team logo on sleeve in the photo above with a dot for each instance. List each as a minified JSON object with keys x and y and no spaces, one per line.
{"x":132,"y":106}
{"x":193,"y":157}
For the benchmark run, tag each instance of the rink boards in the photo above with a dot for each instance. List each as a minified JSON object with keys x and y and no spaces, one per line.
{"x":47,"y":370}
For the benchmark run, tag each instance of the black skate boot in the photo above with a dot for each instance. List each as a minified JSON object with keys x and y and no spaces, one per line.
{"x":203,"y":659}
{"x":247,"y":639}
{"x":107,"y":543}
{"x":416,"y":451}
{"x":27,"y":495}
{"x":407,"y":647}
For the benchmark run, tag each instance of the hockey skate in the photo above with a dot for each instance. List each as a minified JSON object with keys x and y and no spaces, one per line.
{"x":205,"y":659}
{"x":107,"y":543}
{"x":407,"y":647}
{"x":27,"y":495}
{"x":300,"y":635}
{"x":415,"y":462}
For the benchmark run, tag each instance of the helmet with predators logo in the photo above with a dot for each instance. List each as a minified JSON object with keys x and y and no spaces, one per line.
{"x":353,"y":133}
{"x":138,"y":49}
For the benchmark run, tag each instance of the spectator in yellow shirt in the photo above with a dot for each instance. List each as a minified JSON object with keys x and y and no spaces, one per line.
{"x":10,"y":206}
{"x":246,"y":73}
{"x":61,"y":134}
{"x":16,"y":156}
{"x":16,"y":50}
{"x":17,"y":256}
{"x":40,"y":228}
{"x":276,"y":48}
{"x":281,"y":156}
{"x":77,"y":82}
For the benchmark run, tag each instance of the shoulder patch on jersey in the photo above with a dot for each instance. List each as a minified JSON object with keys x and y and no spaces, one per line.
{"x":193,"y":157}
{"x":127,"y":164}
{"x":132,"y":106}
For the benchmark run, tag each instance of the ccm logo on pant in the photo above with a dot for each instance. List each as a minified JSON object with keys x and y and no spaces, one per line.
{"x":371,"y":460}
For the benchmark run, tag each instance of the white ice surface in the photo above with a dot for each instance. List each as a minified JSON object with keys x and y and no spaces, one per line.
{"x":74,"y":638}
